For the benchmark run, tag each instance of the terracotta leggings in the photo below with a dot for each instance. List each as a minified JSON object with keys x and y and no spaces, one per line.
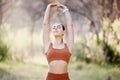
{"x":52,"y":76}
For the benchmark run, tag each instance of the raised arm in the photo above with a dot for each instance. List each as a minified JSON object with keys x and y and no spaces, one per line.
{"x":70,"y":31}
{"x":46,"y":26}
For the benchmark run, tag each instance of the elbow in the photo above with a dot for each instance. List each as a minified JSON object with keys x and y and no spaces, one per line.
{"x":46,"y":23}
{"x":70,"y":25}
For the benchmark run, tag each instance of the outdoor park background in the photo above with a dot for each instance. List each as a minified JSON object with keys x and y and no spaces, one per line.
{"x":95,"y":55}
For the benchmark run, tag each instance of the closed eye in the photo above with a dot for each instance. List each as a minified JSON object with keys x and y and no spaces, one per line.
{"x":58,"y":26}
{"x":53,"y":27}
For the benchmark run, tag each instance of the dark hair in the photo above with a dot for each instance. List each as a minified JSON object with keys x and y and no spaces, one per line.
{"x":63,"y":27}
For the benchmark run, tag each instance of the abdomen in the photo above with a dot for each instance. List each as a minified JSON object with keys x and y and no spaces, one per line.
{"x":58,"y":66}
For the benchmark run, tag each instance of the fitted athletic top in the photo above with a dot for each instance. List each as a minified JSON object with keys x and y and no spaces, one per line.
{"x":58,"y":54}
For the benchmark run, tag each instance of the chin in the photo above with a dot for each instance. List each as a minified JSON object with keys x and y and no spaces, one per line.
{"x":57,"y":35}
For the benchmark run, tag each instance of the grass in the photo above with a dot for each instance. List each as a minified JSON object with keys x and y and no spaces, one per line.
{"x":22,"y":71}
{"x":77,"y":71}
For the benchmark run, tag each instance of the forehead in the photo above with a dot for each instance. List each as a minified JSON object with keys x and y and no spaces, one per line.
{"x":55,"y":24}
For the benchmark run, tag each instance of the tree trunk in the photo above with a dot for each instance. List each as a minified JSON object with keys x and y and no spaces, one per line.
{"x":0,"y":12}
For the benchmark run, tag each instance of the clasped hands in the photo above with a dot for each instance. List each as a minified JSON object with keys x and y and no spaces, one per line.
{"x":59,"y":6}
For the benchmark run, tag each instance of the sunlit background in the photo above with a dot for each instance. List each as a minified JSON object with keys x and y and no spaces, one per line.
{"x":96,"y":52}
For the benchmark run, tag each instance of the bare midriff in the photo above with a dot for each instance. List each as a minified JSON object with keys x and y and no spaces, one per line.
{"x":58,"y":67}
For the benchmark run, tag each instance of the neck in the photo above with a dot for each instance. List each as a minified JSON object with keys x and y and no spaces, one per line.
{"x":58,"y":41}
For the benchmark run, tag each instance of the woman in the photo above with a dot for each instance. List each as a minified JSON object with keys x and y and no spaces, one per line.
{"x":57,"y":53}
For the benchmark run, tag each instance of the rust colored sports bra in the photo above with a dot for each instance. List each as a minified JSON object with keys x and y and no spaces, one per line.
{"x":58,"y":54}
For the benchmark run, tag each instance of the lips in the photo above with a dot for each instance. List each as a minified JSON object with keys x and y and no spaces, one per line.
{"x":56,"y":30}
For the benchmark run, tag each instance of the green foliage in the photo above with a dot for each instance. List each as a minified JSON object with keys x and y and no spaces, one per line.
{"x":78,"y":53}
{"x":107,"y":50}
{"x":87,"y":49}
{"x":3,"y":45}
{"x":3,"y":51}
{"x":111,"y":41}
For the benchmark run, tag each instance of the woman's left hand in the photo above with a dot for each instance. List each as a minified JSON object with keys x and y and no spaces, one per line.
{"x":61,"y":6}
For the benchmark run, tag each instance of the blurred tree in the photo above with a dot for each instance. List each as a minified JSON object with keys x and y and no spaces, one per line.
{"x":94,"y":11}
{"x":6,"y":7}
{"x":111,"y":9}
{"x":0,"y":12}
{"x":36,"y":10}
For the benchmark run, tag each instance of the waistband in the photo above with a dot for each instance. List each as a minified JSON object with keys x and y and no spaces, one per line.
{"x":54,"y":76}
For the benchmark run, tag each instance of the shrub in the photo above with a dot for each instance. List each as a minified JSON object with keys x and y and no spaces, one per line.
{"x":3,"y":51}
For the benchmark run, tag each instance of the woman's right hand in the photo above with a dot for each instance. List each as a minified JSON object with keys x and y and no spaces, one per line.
{"x":61,"y":6}
{"x":52,"y":5}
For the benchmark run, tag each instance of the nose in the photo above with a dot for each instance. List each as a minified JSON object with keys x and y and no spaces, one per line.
{"x":55,"y":28}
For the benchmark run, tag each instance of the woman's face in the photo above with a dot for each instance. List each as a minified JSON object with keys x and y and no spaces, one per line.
{"x":57,"y":29}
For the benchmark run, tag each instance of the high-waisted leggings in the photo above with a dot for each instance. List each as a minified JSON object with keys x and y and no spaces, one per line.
{"x":53,"y":76}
